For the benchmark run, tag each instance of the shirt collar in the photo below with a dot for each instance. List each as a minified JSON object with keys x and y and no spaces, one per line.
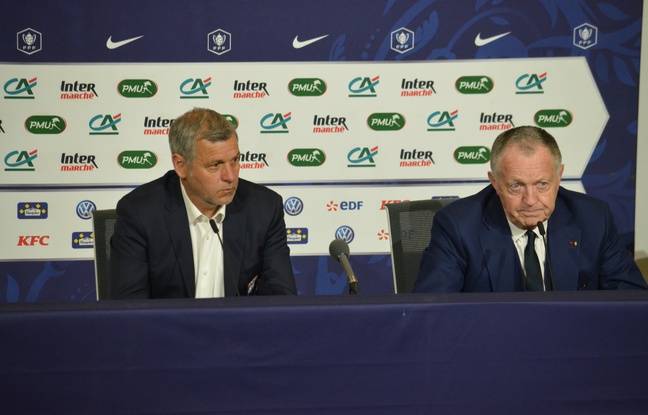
{"x":195,"y":215}
{"x":518,"y":233}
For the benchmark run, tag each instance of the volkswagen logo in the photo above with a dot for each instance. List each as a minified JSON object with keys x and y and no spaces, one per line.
{"x":345,"y":233}
{"x":293,"y":206}
{"x":85,"y":208}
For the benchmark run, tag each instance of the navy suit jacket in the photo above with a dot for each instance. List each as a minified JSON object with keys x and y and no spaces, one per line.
{"x":471,"y":248}
{"x":151,"y":252}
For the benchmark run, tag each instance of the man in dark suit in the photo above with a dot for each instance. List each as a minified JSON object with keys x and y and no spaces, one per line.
{"x":199,"y":230}
{"x":494,"y":240}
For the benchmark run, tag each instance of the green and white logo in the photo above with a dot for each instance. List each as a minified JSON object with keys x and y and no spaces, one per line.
{"x":307,"y":87}
{"x":45,"y":124}
{"x":232,"y":120}
{"x":472,"y":155}
{"x":137,"y":159}
{"x":306,"y":157}
{"x":386,"y":121}
{"x":478,"y":84}
{"x":553,"y":118}
{"x":137,"y":88}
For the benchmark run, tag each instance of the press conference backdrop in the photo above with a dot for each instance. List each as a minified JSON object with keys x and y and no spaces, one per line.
{"x":341,"y":109}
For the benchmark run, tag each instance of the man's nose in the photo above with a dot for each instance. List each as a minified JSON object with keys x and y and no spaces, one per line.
{"x":530,"y":195}
{"x":228,"y":173}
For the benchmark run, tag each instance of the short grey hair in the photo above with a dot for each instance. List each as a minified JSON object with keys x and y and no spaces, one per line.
{"x":198,"y":124}
{"x":528,"y":138}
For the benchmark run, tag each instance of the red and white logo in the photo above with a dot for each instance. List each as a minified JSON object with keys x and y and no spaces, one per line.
{"x":33,"y":240}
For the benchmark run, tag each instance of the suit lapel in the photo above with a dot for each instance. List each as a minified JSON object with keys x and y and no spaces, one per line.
{"x":234,"y":231}
{"x":178,"y":226}
{"x":499,"y":253}
{"x":564,"y":247}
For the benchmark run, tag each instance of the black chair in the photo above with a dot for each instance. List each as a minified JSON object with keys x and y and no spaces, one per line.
{"x":104,"y":226}
{"x":409,"y":230}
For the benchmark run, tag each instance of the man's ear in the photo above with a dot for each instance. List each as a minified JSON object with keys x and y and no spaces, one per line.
{"x":491,"y":179}
{"x":179,"y":165}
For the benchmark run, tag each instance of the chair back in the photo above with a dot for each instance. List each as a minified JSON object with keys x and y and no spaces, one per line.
{"x":104,"y":226}
{"x":409,"y":229}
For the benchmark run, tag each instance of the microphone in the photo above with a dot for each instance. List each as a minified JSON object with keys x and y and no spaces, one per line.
{"x":340,"y":251}
{"x":548,"y":281}
{"x":214,"y":227}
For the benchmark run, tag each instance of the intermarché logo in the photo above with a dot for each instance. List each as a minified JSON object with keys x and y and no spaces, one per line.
{"x":553,"y":118}
{"x":137,"y":159}
{"x":45,"y":124}
{"x":137,"y":88}
{"x":477,"y":84}
{"x":472,"y":155}
{"x":306,"y":157}
{"x":307,"y":87}
{"x":386,"y":121}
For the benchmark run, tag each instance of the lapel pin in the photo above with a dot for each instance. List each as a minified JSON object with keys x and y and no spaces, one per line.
{"x":573,"y":244}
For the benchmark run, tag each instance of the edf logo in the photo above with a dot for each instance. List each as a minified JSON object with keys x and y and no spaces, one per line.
{"x":345,"y":205}
{"x":33,"y":240}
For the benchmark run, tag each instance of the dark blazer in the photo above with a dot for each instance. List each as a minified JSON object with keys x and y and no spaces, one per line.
{"x":151,"y":253}
{"x":471,"y":248}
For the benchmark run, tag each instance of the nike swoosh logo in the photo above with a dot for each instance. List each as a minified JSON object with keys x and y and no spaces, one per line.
{"x":298,"y":44}
{"x":485,"y":41}
{"x":114,"y":45}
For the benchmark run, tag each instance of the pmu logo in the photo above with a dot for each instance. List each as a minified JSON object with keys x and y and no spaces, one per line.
{"x":386,"y":121}
{"x":20,"y":88}
{"x":345,"y":233}
{"x":250,"y":160}
{"x":137,"y":88}
{"x":307,"y":87}
{"x":329,"y":125}
{"x":362,"y":157}
{"x":416,"y":88}
{"x":345,"y":205}
{"x":195,"y":88}
{"x":495,"y":122}
{"x":45,"y":124}
{"x":137,"y":159}
{"x":32,"y":210}
{"x":33,"y":240}
{"x":479,"y":84}
{"x":81,"y":240}
{"x":297,"y":235}
{"x":293,"y":206}
{"x":20,"y":160}
{"x":85,"y":208}
{"x":442,"y":120}
{"x":472,"y":155}
{"x":275,"y":123}
{"x":232,"y":120}
{"x":157,"y":125}
{"x":78,"y":90}
{"x":104,"y":124}
{"x":553,"y":118}
{"x":306,"y":157}
{"x":530,"y":83}
{"x":249,"y":89}
{"x":363,"y":86}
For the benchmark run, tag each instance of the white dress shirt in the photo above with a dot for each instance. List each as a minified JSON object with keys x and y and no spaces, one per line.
{"x":207,"y":250}
{"x":520,"y":241}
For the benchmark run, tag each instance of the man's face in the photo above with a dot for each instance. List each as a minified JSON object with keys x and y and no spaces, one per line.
{"x":527,"y":185}
{"x":211,"y":179}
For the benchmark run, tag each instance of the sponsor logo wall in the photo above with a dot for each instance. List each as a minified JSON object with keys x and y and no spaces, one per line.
{"x":300,"y":124}
{"x":338,"y":112}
